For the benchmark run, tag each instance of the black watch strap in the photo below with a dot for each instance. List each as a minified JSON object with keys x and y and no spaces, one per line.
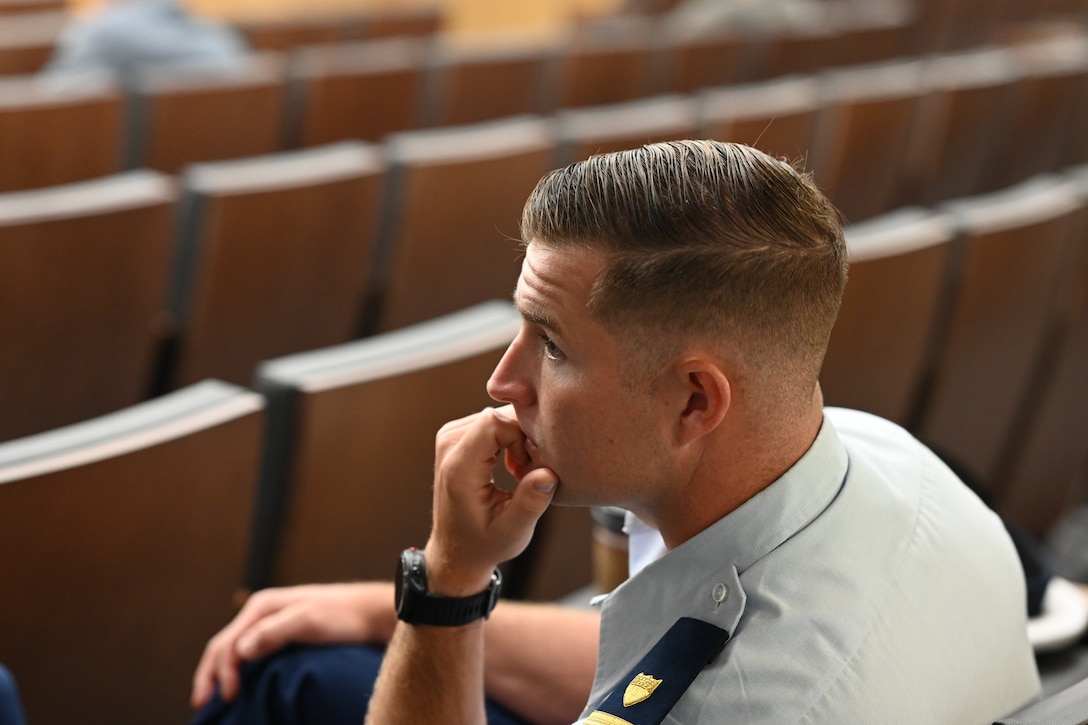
{"x":416,"y":605}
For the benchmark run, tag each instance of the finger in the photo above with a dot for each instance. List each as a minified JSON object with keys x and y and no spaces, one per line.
{"x":529,"y":501}
{"x":216,"y":665}
{"x":272,"y":633}
{"x":219,"y":662}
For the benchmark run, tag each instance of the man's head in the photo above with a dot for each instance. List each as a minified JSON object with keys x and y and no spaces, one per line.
{"x":704,"y":242}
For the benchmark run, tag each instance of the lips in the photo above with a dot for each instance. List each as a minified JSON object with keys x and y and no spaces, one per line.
{"x":531,"y":448}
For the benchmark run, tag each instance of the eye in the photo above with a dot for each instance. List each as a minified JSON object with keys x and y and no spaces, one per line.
{"x":551,"y":351}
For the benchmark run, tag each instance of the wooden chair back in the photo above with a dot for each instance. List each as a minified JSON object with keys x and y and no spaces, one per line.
{"x":456,"y":196}
{"x":866,"y":121}
{"x":583,"y":132}
{"x":274,"y":256}
{"x":47,"y":126}
{"x":475,"y":83}
{"x":1014,"y":250}
{"x":883,"y":338}
{"x":27,"y":38}
{"x":177,"y":118}
{"x":1048,"y":455}
{"x":84,"y":272}
{"x":361,"y":91}
{"x":124,"y":548}
{"x":776,"y":116}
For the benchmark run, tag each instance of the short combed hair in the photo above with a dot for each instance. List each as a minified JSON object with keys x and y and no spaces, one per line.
{"x":704,"y":241}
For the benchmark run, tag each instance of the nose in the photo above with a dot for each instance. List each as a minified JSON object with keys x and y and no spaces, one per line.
{"x":510,"y":382}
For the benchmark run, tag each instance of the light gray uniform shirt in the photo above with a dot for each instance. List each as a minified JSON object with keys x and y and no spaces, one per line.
{"x":867,"y":585}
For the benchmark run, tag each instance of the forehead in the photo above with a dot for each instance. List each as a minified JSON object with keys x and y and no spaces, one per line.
{"x":556,"y":283}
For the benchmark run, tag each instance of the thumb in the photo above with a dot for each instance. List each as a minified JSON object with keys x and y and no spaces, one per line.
{"x":534,"y":493}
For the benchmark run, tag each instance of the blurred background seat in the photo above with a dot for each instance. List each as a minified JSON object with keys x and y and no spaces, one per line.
{"x":178,"y":117}
{"x":124,"y":545}
{"x":1015,"y":248}
{"x":27,"y":38}
{"x":582,"y":132}
{"x":776,"y":116}
{"x":84,"y":272}
{"x":880,"y":348}
{"x":450,"y":232}
{"x":274,"y":255}
{"x":362,"y":90}
{"x":45,"y":125}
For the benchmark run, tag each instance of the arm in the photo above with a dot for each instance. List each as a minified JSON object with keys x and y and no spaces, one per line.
{"x":530,"y":644}
{"x":272,"y":618}
{"x":437,"y":673}
{"x":526,"y":644}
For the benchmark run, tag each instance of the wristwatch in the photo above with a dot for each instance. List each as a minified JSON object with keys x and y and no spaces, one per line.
{"x":416,"y":605}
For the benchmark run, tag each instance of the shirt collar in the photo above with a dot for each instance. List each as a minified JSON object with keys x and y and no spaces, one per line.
{"x":687,"y":580}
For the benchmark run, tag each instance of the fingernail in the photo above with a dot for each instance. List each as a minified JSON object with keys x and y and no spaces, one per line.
{"x":544,"y":486}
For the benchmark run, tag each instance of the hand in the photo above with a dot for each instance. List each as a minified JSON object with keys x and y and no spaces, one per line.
{"x":273,"y":618}
{"x":476,"y":524}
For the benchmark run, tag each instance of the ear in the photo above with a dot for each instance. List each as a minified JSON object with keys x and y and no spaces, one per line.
{"x":706,"y":397}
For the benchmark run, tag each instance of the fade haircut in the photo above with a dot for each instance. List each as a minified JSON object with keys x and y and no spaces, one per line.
{"x":707,"y":242}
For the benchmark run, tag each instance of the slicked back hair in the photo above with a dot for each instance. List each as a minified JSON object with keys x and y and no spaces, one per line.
{"x":706,"y":242}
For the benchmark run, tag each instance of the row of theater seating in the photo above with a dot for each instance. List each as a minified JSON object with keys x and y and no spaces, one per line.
{"x":366,"y":90}
{"x":129,"y":536}
{"x":153,"y":281}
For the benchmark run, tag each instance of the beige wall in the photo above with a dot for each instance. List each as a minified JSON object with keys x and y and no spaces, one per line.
{"x":463,"y":15}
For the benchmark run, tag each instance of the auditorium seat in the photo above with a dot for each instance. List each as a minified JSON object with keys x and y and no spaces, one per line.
{"x":179,"y":117}
{"x":583,"y":132}
{"x":12,"y":7}
{"x":882,"y":340}
{"x":46,"y":125}
{"x":808,"y":49}
{"x":690,"y":62}
{"x":83,"y":278}
{"x":285,"y":33}
{"x":362,"y":90}
{"x":607,"y":62}
{"x":776,"y":116}
{"x":274,"y":256}
{"x":1049,"y":447}
{"x":451,"y":225}
{"x":1053,"y":75}
{"x":27,"y":38}
{"x":861,"y":136}
{"x":349,"y":449}
{"x":403,"y":20}
{"x":124,"y":545}
{"x":1013,"y":254}
{"x":963,"y":112}
{"x":474,"y":82}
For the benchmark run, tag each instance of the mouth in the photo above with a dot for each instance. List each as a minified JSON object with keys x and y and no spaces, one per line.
{"x":531,"y":448}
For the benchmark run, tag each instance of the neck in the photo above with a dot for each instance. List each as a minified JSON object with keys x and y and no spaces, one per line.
{"x":745,"y":456}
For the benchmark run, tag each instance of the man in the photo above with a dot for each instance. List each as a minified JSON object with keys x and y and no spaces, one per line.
{"x":821,"y":566}
{"x":125,"y":35}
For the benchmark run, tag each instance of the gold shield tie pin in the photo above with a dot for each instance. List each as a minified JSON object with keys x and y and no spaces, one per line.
{"x":658,"y":682}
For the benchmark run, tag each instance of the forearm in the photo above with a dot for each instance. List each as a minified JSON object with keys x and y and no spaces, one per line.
{"x":530,"y":644}
{"x":431,"y":674}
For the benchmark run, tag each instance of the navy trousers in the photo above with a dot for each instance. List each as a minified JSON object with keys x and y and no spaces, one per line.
{"x":328,"y":685}
{"x":11,"y":710}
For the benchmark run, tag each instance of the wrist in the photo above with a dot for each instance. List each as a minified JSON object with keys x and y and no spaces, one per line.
{"x":417,"y":602}
{"x":449,"y":577}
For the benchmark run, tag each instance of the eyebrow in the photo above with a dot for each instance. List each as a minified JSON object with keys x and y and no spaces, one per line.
{"x":535,"y":314}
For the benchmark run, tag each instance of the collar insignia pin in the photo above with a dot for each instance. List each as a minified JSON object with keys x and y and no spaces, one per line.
{"x":640,"y":689}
